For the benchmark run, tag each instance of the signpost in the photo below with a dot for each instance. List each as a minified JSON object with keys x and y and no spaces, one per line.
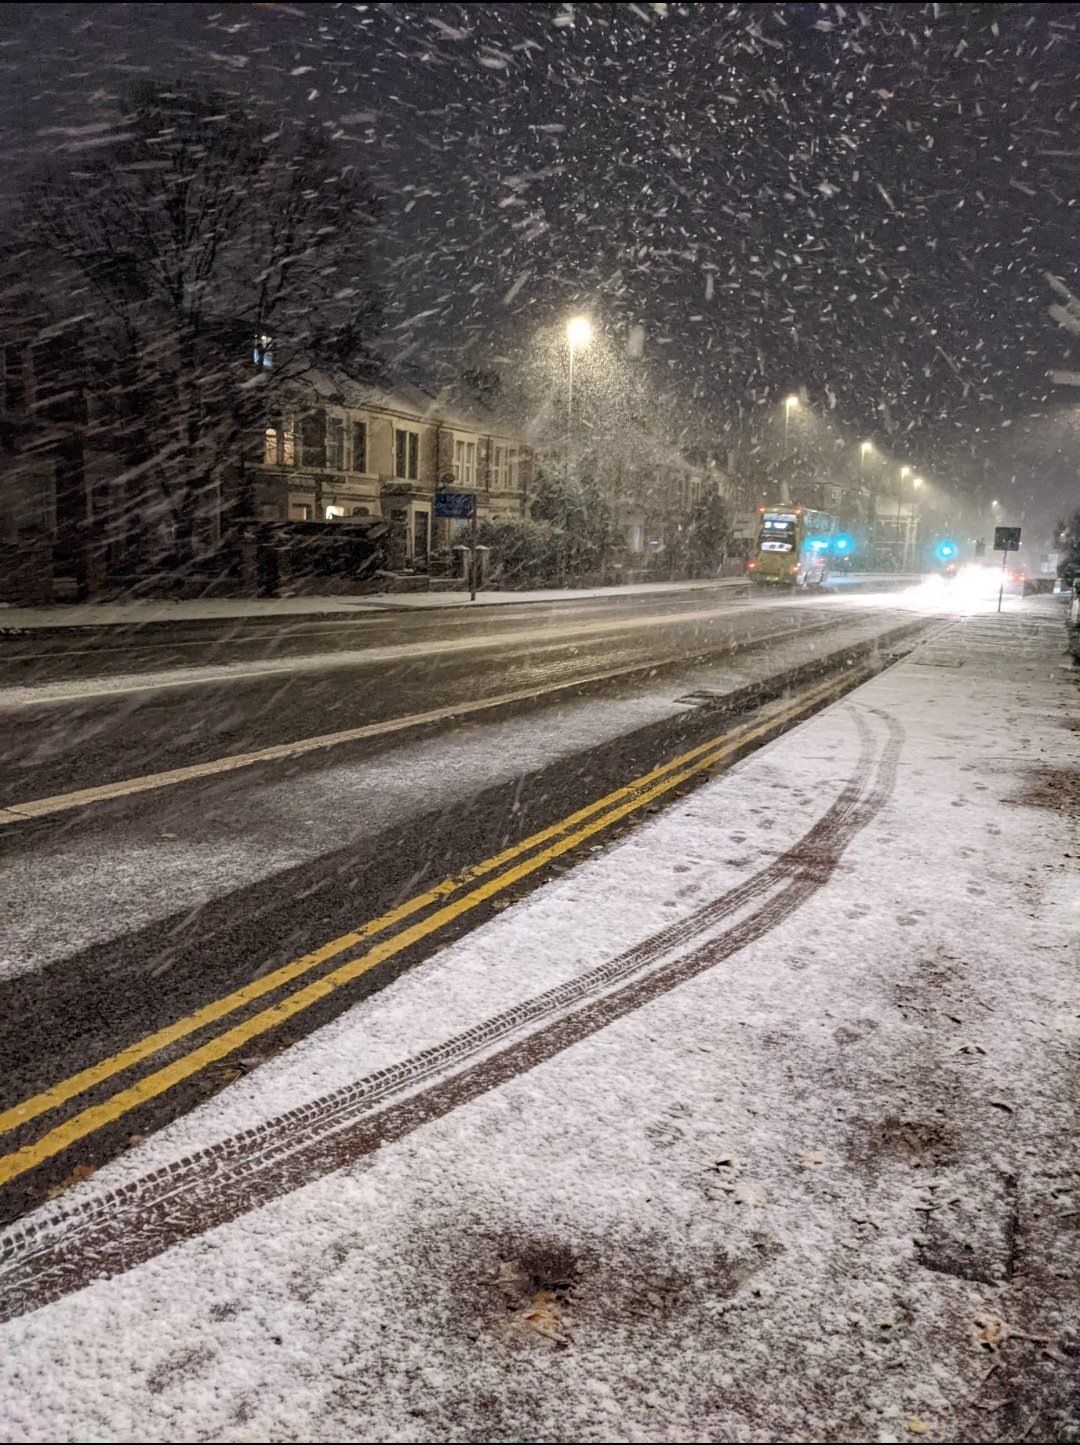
{"x":1006,"y":540}
{"x":460,"y":505}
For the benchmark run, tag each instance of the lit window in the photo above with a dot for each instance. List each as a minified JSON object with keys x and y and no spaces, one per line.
{"x":333,"y":513}
{"x":263,"y":351}
{"x":279,"y":445}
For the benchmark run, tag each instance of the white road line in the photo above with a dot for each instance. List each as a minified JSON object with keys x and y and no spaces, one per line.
{"x":37,"y":695}
{"x":45,"y":694}
{"x":65,"y":802}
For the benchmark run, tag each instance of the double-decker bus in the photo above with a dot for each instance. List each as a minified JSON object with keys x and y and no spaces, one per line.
{"x":792,"y":547}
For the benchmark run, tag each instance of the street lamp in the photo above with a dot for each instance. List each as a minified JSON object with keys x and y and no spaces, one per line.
{"x":790,"y":403}
{"x":913,"y":529}
{"x":901,"y":547}
{"x":578,"y":332}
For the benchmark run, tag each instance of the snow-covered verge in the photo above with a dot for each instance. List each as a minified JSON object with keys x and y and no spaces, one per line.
{"x":137,"y":613}
{"x":784,"y":1150}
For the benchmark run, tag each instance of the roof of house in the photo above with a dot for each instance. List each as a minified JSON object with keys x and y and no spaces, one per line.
{"x":447,"y":406}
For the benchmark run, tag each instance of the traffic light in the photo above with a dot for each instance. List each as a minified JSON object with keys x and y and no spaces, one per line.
{"x":843,"y":545}
{"x":946,"y":550}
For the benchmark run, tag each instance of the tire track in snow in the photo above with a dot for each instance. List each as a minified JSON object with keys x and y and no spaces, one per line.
{"x":62,"y":1249}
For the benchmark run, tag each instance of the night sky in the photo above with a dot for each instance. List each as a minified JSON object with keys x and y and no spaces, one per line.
{"x":858,"y":200}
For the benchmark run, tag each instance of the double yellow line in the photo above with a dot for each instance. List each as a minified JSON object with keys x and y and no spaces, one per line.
{"x":457,"y":896}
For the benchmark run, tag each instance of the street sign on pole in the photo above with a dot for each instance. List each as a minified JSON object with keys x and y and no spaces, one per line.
{"x":1006,"y":540}
{"x":462,"y":506}
{"x":455,"y":504}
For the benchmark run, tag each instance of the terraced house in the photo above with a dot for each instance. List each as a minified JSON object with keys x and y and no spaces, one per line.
{"x":349,"y":452}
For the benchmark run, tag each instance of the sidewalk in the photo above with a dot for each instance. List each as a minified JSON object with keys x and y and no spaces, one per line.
{"x":138,"y":614}
{"x":135,"y":614}
{"x":754,"y":1126}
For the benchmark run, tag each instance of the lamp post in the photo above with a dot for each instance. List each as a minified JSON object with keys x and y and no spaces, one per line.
{"x":864,"y":447}
{"x":913,"y":529}
{"x":790,"y":403}
{"x":578,"y":331}
{"x":904,"y":472}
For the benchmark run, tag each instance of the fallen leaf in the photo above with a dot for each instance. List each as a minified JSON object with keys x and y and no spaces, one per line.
{"x":544,"y":1317}
{"x":809,"y":1160}
{"x":917,"y":1426}
{"x":991,"y":1330}
{"x":77,"y":1175}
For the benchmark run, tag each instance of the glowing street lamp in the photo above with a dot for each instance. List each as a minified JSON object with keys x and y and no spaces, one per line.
{"x":578,"y":333}
{"x":790,"y":405}
{"x":865,"y":448}
{"x":901,"y":545}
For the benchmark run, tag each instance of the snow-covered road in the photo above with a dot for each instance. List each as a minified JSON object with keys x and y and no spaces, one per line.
{"x":756,"y":1125}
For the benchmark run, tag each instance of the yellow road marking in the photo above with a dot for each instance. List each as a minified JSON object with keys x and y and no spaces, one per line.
{"x":78,"y":1083}
{"x":88,"y":1121}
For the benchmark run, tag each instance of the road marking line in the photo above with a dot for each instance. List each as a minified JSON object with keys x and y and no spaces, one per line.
{"x":88,"y":1121}
{"x":13,"y":813}
{"x":88,"y":1078}
{"x":83,"y":797}
{"x":47,"y":693}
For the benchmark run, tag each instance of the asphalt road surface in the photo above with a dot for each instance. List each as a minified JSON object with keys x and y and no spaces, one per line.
{"x":81,"y":711}
{"x":129,"y":915}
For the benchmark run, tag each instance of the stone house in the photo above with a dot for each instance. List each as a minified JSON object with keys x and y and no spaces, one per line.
{"x":345,"y":450}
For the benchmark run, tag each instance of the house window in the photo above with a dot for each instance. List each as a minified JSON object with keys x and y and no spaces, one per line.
{"x":359,"y":446}
{"x":262,"y":353}
{"x":335,"y":444}
{"x":300,"y":512}
{"x":498,"y":466}
{"x":407,"y":455}
{"x":513,"y":469}
{"x":465,"y":463}
{"x":279,"y":445}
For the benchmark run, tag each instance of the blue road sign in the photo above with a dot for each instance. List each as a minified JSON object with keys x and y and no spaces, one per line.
{"x":455,"y":504}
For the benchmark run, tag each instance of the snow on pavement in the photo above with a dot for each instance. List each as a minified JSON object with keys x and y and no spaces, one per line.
{"x":214,"y":609}
{"x":817,"y":1190}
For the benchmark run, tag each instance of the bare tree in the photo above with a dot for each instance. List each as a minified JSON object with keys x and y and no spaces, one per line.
{"x":213,"y":263}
